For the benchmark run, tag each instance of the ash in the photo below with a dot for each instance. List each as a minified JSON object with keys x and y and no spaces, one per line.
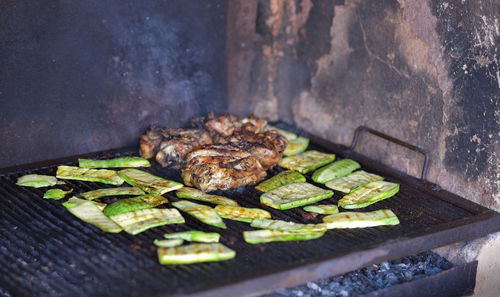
{"x":372,"y":278}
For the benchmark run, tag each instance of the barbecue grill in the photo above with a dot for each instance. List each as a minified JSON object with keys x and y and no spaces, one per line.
{"x":90,"y":77}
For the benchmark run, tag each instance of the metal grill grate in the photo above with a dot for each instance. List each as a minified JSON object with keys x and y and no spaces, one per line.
{"x":46,"y":251}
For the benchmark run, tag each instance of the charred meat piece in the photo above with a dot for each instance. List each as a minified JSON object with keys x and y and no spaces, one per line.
{"x":150,"y":142}
{"x":227,"y":124}
{"x":221,"y":167}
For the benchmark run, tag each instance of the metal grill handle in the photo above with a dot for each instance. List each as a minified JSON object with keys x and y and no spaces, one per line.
{"x":393,"y":140}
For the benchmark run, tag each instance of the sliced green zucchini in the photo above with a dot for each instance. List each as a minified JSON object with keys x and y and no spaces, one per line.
{"x":195,"y":194}
{"x":36,"y":181}
{"x":199,"y":236}
{"x":195,"y":253}
{"x":306,"y":161}
{"x":294,"y":195}
{"x":287,"y":134}
{"x":351,"y":182}
{"x":91,"y":195}
{"x":296,"y":146}
{"x":335,"y":170}
{"x":361,"y":219}
{"x":104,"y":176}
{"x":281,"y":179}
{"x":369,"y":194}
{"x":148,"y":182}
{"x":287,"y":226}
{"x":88,"y":211}
{"x":56,"y":194}
{"x":242,"y":214}
{"x":133,"y":204}
{"x":73,"y":201}
{"x":117,"y":162}
{"x":322,"y":208}
{"x":135,"y":222}
{"x":168,"y":242}
{"x":263,"y":236}
{"x":203,"y":213}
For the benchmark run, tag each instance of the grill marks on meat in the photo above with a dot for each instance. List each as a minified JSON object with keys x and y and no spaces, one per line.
{"x":224,"y":153}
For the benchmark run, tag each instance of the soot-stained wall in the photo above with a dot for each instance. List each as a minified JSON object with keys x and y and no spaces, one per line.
{"x":426,"y":72}
{"x":82,"y":76}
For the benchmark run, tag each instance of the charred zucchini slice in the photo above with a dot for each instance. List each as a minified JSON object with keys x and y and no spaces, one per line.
{"x":294,"y":195}
{"x":91,"y":195}
{"x":306,"y":161}
{"x":195,"y":194}
{"x":322,"y":208}
{"x":117,"y":162}
{"x":168,"y":242}
{"x":203,"y":213}
{"x":369,"y":194}
{"x":287,"y":226}
{"x":361,"y":219}
{"x":198,"y":236}
{"x":135,"y":222}
{"x":134,"y":203}
{"x":351,"y":182}
{"x":104,"y":176}
{"x":296,"y":146}
{"x":287,"y":134}
{"x":335,"y":170}
{"x":36,"y":181}
{"x":88,"y":211}
{"x":148,"y":182}
{"x":56,"y":194}
{"x":195,"y":253}
{"x":242,"y":214}
{"x":281,"y":179}
{"x":263,"y":236}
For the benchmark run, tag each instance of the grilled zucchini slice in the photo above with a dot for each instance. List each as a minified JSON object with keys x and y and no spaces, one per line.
{"x":242,"y":214}
{"x":294,"y":195}
{"x":287,"y":134}
{"x":335,"y":170}
{"x":263,"y":236}
{"x":203,"y":213}
{"x":104,"y":176}
{"x":287,"y":226}
{"x":296,"y":146}
{"x":91,"y":195}
{"x":117,"y":162}
{"x":195,"y":253}
{"x":353,"y":181}
{"x":135,"y":222}
{"x":89,"y":211}
{"x":281,"y":179}
{"x":306,"y":161}
{"x":199,"y":236}
{"x":322,"y":208}
{"x":361,"y":219}
{"x":369,"y":194}
{"x":56,"y":194}
{"x":148,"y":182}
{"x":168,"y":242}
{"x":36,"y":181}
{"x":195,"y":194}
{"x":134,"y":203}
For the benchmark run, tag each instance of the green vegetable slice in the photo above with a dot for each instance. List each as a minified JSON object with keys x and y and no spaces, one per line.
{"x":195,"y":253}
{"x":294,"y":195}
{"x":369,"y":194}
{"x":104,"y":176}
{"x":296,"y":146}
{"x":117,"y":162}
{"x":56,"y":194}
{"x":281,"y":179}
{"x":322,"y":209}
{"x":263,"y":236}
{"x":242,"y":214}
{"x":91,"y":195}
{"x":73,"y":201}
{"x":195,"y":194}
{"x":203,"y":213}
{"x":135,"y":222}
{"x":287,"y":134}
{"x":88,"y":211}
{"x":351,"y":182}
{"x":36,"y":181}
{"x":148,"y":182}
{"x":307,"y":161}
{"x":133,"y":204}
{"x":287,"y":226}
{"x":361,"y":219}
{"x":199,"y":236}
{"x":335,"y":170}
{"x":168,"y":242}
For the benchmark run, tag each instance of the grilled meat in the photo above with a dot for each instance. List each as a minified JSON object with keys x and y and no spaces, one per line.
{"x":227,"y":124}
{"x":150,"y":142}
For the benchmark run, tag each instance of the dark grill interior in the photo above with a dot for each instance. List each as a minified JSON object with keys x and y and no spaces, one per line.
{"x":47,"y":251}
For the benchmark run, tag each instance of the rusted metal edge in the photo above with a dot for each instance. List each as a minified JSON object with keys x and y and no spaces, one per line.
{"x":463,"y":278}
{"x":393,"y":249}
